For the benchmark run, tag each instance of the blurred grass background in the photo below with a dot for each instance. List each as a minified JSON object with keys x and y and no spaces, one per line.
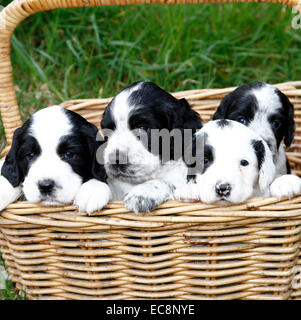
{"x":95,"y":52}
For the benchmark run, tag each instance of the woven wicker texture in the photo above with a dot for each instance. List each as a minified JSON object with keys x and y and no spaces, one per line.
{"x":181,"y":251}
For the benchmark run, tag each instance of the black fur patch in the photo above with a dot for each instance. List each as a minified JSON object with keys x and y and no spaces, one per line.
{"x":288,"y":167}
{"x":286,"y":117}
{"x":223,"y":123}
{"x":259,"y":151}
{"x":206,"y":155}
{"x":239,"y":103}
{"x":154,"y":108}
{"x":82,"y":142}
{"x":19,"y":157}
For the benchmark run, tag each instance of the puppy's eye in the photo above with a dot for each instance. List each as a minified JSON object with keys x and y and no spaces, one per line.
{"x":141,"y":132}
{"x":244,"y":163}
{"x":206,"y":161}
{"x":29,"y":156}
{"x":67,"y":155}
{"x":242,"y":120}
{"x":276,"y":124}
{"x":147,"y":130}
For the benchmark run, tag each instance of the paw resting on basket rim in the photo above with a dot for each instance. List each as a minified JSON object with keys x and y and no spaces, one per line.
{"x":93,"y":195}
{"x":188,"y":193}
{"x":287,"y":185}
{"x":8,"y":194}
{"x":147,"y":196}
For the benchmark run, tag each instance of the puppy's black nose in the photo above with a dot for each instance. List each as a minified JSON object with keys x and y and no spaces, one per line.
{"x":223,"y":189}
{"x":119,"y":167}
{"x":120,"y":158}
{"x":119,"y":161}
{"x":46,"y":186}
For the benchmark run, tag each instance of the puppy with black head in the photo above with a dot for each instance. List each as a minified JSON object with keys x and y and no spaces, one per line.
{"x":52,"y":162}
{"x":237,"y":164}
{"x":144,"y":148}
{"x":269,"y":113}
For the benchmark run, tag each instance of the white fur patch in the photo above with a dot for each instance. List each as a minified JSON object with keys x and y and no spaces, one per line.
{"x":121,"y":108}
{"x":287,"y":185}
{"x":188,"y":193}
{"x":93,"y":195}
{"x":8,"y":194}
{"x":49,"y":125}
{"x":267,"y":98}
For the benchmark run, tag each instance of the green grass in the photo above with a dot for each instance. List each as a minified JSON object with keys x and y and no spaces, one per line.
{"x":10,"y":292}
{"x":95,"y":52}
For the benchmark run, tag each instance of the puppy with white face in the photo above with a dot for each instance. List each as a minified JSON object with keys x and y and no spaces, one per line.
{"x":52,"y":162}
{"x":237,"y":164}
{"x":269,"y":113}
{"x":139,"y":172}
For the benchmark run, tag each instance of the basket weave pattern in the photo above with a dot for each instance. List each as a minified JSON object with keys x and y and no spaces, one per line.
{"x":181,"y":251}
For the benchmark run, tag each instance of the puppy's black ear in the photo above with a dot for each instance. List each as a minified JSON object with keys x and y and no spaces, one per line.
{"x":107,"y":121}
{"x":191,"y":119}
{"x":189,"y":158}
{"x":290,"y":126}
{"x":184,"y":118}
{"x":266,"y":166}
{"x":223,"y":109}
{"x":10,"y":169}
{"x":194,"y":155}
{"x":94,"y":142}
{"x":103,"y":122}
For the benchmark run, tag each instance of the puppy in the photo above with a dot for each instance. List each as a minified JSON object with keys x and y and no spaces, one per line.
{"x":52,"y":162}
{"x":269,"y":113}
{"x":143,"y":170}
{"x":237,"y":164}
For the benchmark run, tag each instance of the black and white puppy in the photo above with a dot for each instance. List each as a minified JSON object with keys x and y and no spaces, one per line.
{"x":269,"y":113}
{"x":237,"y":164}
{"x":52,"y":162}
{"x":145,"y":173}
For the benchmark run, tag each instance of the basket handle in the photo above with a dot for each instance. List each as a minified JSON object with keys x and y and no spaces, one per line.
{"x":18,"y":10}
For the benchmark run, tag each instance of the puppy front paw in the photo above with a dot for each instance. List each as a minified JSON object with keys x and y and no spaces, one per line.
{"x":93,"y":195}
{"x":140,"y":203}
{"x":187,"y":193}
{"x":147,"y":196}
{"x":8,"y":193}
{"x":287,"y":185}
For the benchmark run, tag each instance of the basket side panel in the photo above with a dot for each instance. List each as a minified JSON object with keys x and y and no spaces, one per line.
{"x":225,"y":258}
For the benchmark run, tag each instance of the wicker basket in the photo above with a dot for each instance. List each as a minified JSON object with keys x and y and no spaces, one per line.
{"x":180,"y":251}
